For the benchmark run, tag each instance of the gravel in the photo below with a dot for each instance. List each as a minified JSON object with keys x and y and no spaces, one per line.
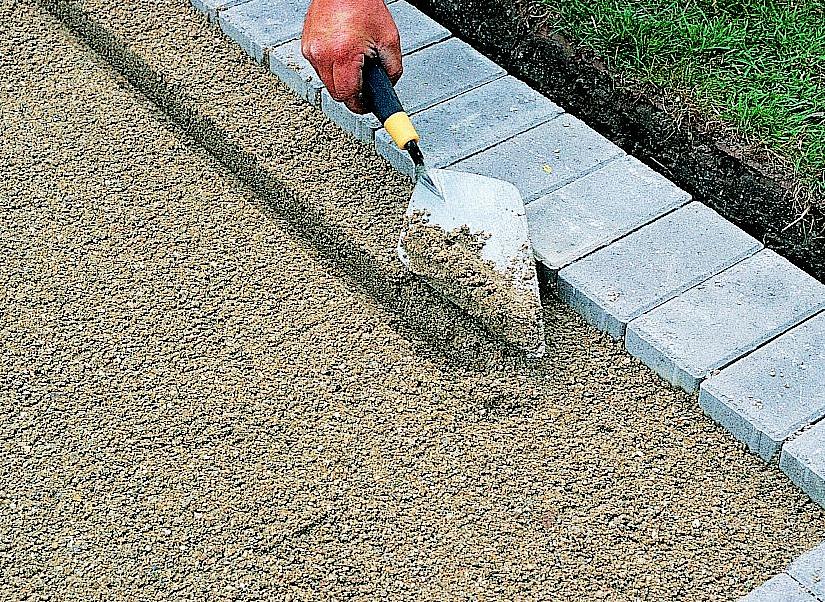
{"x":202,"y":400}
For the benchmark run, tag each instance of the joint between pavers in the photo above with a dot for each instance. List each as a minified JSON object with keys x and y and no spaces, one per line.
{"x":506,"y":138}
{"x":637,"y":344}
{"x":496,"y":77}
{"x":430,"y":45}
{"x":230,"y":4}
{"x":776,"y":335}
{"x":778,"y":309}
{"x":602,"y":245}
{"x":801,"y":432}
{"x":738,"y":423}
{"x":772,"y":396}
{"x":583,"y":174}
{"x":784,"y":587}
{"x":633,"y":230}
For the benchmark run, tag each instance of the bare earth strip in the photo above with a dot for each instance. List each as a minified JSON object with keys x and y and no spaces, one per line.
{"x":200,"y":400}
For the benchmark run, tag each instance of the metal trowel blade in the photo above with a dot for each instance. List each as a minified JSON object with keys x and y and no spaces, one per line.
{"x":466,"y":235}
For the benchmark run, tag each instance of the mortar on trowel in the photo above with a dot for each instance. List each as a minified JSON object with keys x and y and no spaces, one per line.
{"x":464,"y":234}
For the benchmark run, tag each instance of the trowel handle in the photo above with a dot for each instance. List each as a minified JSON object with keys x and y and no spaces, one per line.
{"x":382,"y":100}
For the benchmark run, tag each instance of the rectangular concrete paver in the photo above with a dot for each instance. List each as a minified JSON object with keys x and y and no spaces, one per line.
{"x":544,"y":158}
{"x":211,"y":7}
{"x":597,"y":209}
{"x":441,"y":71}
{"x":261,"y":24}
{"x":415,"y":28}
{"x":290,"y":66}
{"x":809,"y":570}
{"x":781,"y":588}
{"x":431,"y":75}
{"x":622,"y":281}
{"x":724,"y":318}
{"x":770,"y":394}
{"x":803,"y":460}
{"x":362,"y":127}
{"x":471,"y":122}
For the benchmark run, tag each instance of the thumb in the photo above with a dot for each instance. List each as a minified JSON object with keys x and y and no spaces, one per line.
{"x":391,"y":59}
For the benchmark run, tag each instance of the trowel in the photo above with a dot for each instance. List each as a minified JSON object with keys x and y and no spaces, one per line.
{"x":464,"y":234}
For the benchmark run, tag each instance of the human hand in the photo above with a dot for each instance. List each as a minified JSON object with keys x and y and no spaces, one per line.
{"x":338,"y":36}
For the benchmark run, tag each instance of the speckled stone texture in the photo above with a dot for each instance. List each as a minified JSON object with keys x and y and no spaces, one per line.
{"x":224,"y":387}
{"x":724,"y":318}
{"x":622,"y":281}
{"x":767,"y":396}
{"x":781,"y":588}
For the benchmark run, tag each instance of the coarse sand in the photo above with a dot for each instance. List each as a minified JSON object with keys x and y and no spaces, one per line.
{"x":507,"y":303}
{"x":207,"y":398}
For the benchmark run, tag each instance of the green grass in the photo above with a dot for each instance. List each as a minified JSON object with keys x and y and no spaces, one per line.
{"x":755,"y":65}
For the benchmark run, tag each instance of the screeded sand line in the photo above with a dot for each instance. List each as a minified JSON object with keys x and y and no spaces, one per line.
{"x":197,"y":402}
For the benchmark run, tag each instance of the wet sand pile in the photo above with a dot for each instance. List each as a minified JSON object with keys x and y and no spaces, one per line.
{"x":198,"y":403}
{"x":453,"y":263}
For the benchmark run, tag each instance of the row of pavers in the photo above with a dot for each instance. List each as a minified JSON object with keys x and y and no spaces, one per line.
{"x":803,"y":581}
{"x":694,"y":297}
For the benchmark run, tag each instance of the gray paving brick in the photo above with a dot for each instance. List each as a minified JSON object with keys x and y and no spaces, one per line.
{"x":441,"y":71}
{"x":809,"y":570}
{"x":803,"y":460}
{"x":597,"y":209}
{"x":290,"y":66}
{"x":362,"y":127}
{"x":471,"y":122}
{"x":415,"y":28}
{"x":423,"y":84}
{"x":211,"y":7}
{"x":633,"y":275}
{"x":770,"y":394}
{"x":724,"y":318}
{"x":288,"y":63}
{"x":261,"y":24}
{"x":781,"y":588}
{"x":544,"y":158}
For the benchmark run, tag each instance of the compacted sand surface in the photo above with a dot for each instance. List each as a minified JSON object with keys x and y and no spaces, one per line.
{"x":201,"y":400}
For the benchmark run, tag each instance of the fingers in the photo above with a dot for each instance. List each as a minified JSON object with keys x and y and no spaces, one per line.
{"x":344,"y":77}
{"x":347,"y":75}
{"x":389,"y":51}
{"x":341,"y":73}
{"x":337,"y":37}
{"x":320,"y":61}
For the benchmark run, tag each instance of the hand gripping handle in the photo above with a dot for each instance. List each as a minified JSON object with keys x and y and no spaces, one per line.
{"x":382,"y":100}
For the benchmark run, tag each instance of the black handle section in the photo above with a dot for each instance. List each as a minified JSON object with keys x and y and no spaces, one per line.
{"x":379,"y":94}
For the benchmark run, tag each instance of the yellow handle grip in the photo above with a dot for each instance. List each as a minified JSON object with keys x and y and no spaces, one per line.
{"x":400,"y":128}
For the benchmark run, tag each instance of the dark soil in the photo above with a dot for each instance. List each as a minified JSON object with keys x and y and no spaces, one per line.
{"x":710,"y":164}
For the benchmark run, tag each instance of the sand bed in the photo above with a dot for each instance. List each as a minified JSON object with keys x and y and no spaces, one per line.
{"x":200,"y":403}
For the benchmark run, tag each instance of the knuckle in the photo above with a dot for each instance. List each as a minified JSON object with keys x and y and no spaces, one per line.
{"x":310,"y":51}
